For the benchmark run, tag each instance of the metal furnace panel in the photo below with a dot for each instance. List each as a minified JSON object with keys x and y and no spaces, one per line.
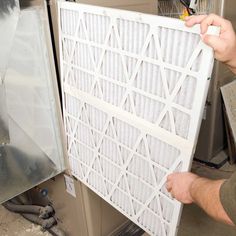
{"x":34,"y":151}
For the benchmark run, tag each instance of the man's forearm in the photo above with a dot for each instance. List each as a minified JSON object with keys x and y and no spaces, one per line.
{"x":206,"y":194}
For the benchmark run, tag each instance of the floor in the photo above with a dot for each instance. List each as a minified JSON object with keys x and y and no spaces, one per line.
{"x":14,"y":225}
{"x":194,"y":221}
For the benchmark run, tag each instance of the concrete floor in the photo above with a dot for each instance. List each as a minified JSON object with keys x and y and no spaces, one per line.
{"x":14,"y":225}
{"x":194,"y":221}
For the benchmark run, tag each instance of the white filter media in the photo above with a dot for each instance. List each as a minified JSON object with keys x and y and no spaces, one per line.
{"x":134,"y":88}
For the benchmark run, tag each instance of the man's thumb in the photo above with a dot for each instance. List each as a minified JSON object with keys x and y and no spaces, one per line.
{"x":213,"y":41}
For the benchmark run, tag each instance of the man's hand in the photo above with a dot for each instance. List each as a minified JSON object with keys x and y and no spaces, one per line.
{"x":225,"y":45}
{"x":179,"y":185}
{"x":188,"y":188}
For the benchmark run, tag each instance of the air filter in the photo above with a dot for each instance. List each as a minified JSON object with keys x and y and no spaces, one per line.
{"x":134,"y":88}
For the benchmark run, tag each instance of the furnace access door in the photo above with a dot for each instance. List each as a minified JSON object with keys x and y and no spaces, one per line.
{"x":31,"y":139}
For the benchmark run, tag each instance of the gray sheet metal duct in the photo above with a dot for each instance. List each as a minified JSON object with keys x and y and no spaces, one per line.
{"x":9,"y":14}
{"x":31,"y":149}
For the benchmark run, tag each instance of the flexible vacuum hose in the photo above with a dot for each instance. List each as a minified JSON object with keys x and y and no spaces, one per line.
{"x":43,"y":212}
{"x":55,"y":231}
{"x":36,"y":214}
{"x":45,"y":223}
{"x":48,"y":224}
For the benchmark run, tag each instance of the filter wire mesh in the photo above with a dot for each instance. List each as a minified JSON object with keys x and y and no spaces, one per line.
{"x":174,"y":8}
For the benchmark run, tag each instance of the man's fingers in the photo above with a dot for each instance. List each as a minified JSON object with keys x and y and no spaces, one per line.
{"x":169,"y":177}
{"x":192,"y":20}
{"x":172,"y":194}
{"x":214,"y":41}
{"x":206,"y":21}
{"x":168,"y":186}
{"x":210,"y":20}
{"x":215,"y":20}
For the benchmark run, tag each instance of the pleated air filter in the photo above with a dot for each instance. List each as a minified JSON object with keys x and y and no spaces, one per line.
{"x":134,"y":88}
